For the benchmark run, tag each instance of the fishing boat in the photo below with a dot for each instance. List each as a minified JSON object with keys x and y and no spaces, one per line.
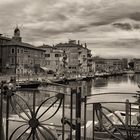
{"x":28,"y":84}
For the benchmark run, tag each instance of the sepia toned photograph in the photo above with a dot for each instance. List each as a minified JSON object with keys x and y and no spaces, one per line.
{"x":69,"y":70}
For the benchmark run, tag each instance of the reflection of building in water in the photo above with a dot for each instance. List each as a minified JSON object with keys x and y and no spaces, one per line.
{"x":85,"y":86}
{"x":136,"y":65}
{"x":41,"y":95}
{"x":89,"y":87}
{"x":119,"y":79}
{"x":132,"y":77}
{"x":100,"y":82}
{"x":136,"y":78}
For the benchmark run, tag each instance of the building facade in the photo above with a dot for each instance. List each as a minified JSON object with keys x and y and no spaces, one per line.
{"x":78,"y":57}
{"x":85,"y":60}
{"x":108,"y":65}
{"x":3,"y":40}
{"x":21,"y":58}
{"x":53,"y":58}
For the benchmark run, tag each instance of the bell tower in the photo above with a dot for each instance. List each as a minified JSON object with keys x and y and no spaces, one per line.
{"x":16,"y":36}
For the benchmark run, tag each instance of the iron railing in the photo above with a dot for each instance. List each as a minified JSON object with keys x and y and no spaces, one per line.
{"x":22,"y":119}
{"x":112,"y":124}
{"x":31,"y":120}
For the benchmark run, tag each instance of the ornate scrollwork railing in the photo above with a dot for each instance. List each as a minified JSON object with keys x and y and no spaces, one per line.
{"x":30,"y":120}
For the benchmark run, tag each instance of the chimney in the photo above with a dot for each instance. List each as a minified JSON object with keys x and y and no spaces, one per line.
{"x":85,"y":45}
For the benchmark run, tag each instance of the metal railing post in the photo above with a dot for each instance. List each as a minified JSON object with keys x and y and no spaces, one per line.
{"x":63,"y":116}
{"x":71,"y":111}
{"x":78,"y":114}
{"x":1,"y":115}
{"x":93,"y":120}
{"x":85,"y":116}
{"x":34,"y":104}
{"x":101,"y":118}
{"x":7,"y":114}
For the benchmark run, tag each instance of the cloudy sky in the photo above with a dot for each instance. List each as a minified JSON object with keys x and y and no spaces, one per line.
{"x":111,"y":28}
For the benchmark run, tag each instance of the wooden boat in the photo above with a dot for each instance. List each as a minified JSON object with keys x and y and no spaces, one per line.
{"x":28,"y":84}
{"x":59,"y":80}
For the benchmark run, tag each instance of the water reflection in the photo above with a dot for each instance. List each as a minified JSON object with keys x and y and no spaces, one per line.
{"x":135,"y":78}
{"x":100,"y":82}
{"x":125,"y":83}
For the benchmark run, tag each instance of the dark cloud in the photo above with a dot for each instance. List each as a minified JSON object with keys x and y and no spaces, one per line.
{"x":99,"y":22}
{"x":123,"y":26}
{"x":135,"y":16}
{"x":126,"y":25}
{"x":55,"y":31}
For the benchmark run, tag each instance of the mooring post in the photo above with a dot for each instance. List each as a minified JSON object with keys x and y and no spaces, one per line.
{"x":73,"y":91}
{"x":127,"y":109}
{"x":78,"y":114}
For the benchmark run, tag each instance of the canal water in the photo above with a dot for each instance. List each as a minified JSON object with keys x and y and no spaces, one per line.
{"x":125,"y":83}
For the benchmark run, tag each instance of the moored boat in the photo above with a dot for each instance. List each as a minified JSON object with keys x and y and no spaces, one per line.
{"x":28,"y":84}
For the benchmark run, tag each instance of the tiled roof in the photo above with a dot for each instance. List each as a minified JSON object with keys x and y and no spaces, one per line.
{"x":45,"y":46}
{"x":22,"y":44}
{"x":71,"y":45}
{"x":4,"y":38}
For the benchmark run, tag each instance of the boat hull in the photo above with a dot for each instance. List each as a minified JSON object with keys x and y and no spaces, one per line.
{"x":29,"y":85}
